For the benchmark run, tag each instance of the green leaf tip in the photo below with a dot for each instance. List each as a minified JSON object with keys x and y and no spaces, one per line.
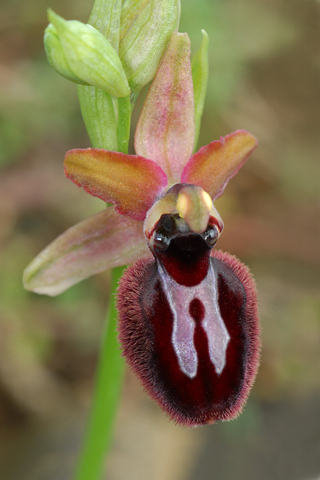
{"x":200,"y":72}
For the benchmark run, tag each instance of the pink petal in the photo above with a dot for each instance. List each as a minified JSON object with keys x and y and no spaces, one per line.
{"x":213,"y":165}
{"x":132,"y":183}
{"x":165,"y":130}
{"x":103,"y":241}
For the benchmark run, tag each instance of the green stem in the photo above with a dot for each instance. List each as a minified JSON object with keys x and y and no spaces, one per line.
{"x":105,"y":400}
{"x":124,"y":121}
{"x":99,"y":116}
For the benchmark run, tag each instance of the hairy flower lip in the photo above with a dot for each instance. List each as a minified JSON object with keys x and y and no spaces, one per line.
{"x":186,"y":400}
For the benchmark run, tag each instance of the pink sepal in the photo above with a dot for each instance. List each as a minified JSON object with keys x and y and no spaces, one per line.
{"x":101,"y":242}
{"x":165,"y":130}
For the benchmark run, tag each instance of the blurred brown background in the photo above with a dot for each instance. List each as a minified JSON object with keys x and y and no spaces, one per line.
{"x":265,"y":77}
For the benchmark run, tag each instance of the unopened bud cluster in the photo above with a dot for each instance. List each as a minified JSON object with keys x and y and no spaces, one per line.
{"x":83,"y":55}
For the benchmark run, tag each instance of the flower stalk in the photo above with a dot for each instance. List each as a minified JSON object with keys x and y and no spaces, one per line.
{"x":106,"y":397}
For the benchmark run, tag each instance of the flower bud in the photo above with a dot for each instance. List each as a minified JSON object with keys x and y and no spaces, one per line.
{"x":146,"y":27}
{"x":83,"y":55}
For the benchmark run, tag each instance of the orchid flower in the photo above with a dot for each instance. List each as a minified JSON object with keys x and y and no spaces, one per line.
{"x":188,"y":324}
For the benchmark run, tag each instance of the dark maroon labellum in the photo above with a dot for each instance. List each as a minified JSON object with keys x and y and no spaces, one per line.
{"x":188,"y":325}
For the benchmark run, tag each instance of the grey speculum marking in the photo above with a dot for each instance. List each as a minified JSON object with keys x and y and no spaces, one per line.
{"x":180,"y":298}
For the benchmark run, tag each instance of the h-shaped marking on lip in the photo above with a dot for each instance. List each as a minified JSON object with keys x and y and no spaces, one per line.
{"x":179,"y":298}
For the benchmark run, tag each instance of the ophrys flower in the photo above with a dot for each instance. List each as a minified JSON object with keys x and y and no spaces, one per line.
{"x":188,"y":321}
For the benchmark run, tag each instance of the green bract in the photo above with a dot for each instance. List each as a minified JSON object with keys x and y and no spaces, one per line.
{"x":82,"y":54}
{"x":146,"y":27}
{"x":200,"y":70}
